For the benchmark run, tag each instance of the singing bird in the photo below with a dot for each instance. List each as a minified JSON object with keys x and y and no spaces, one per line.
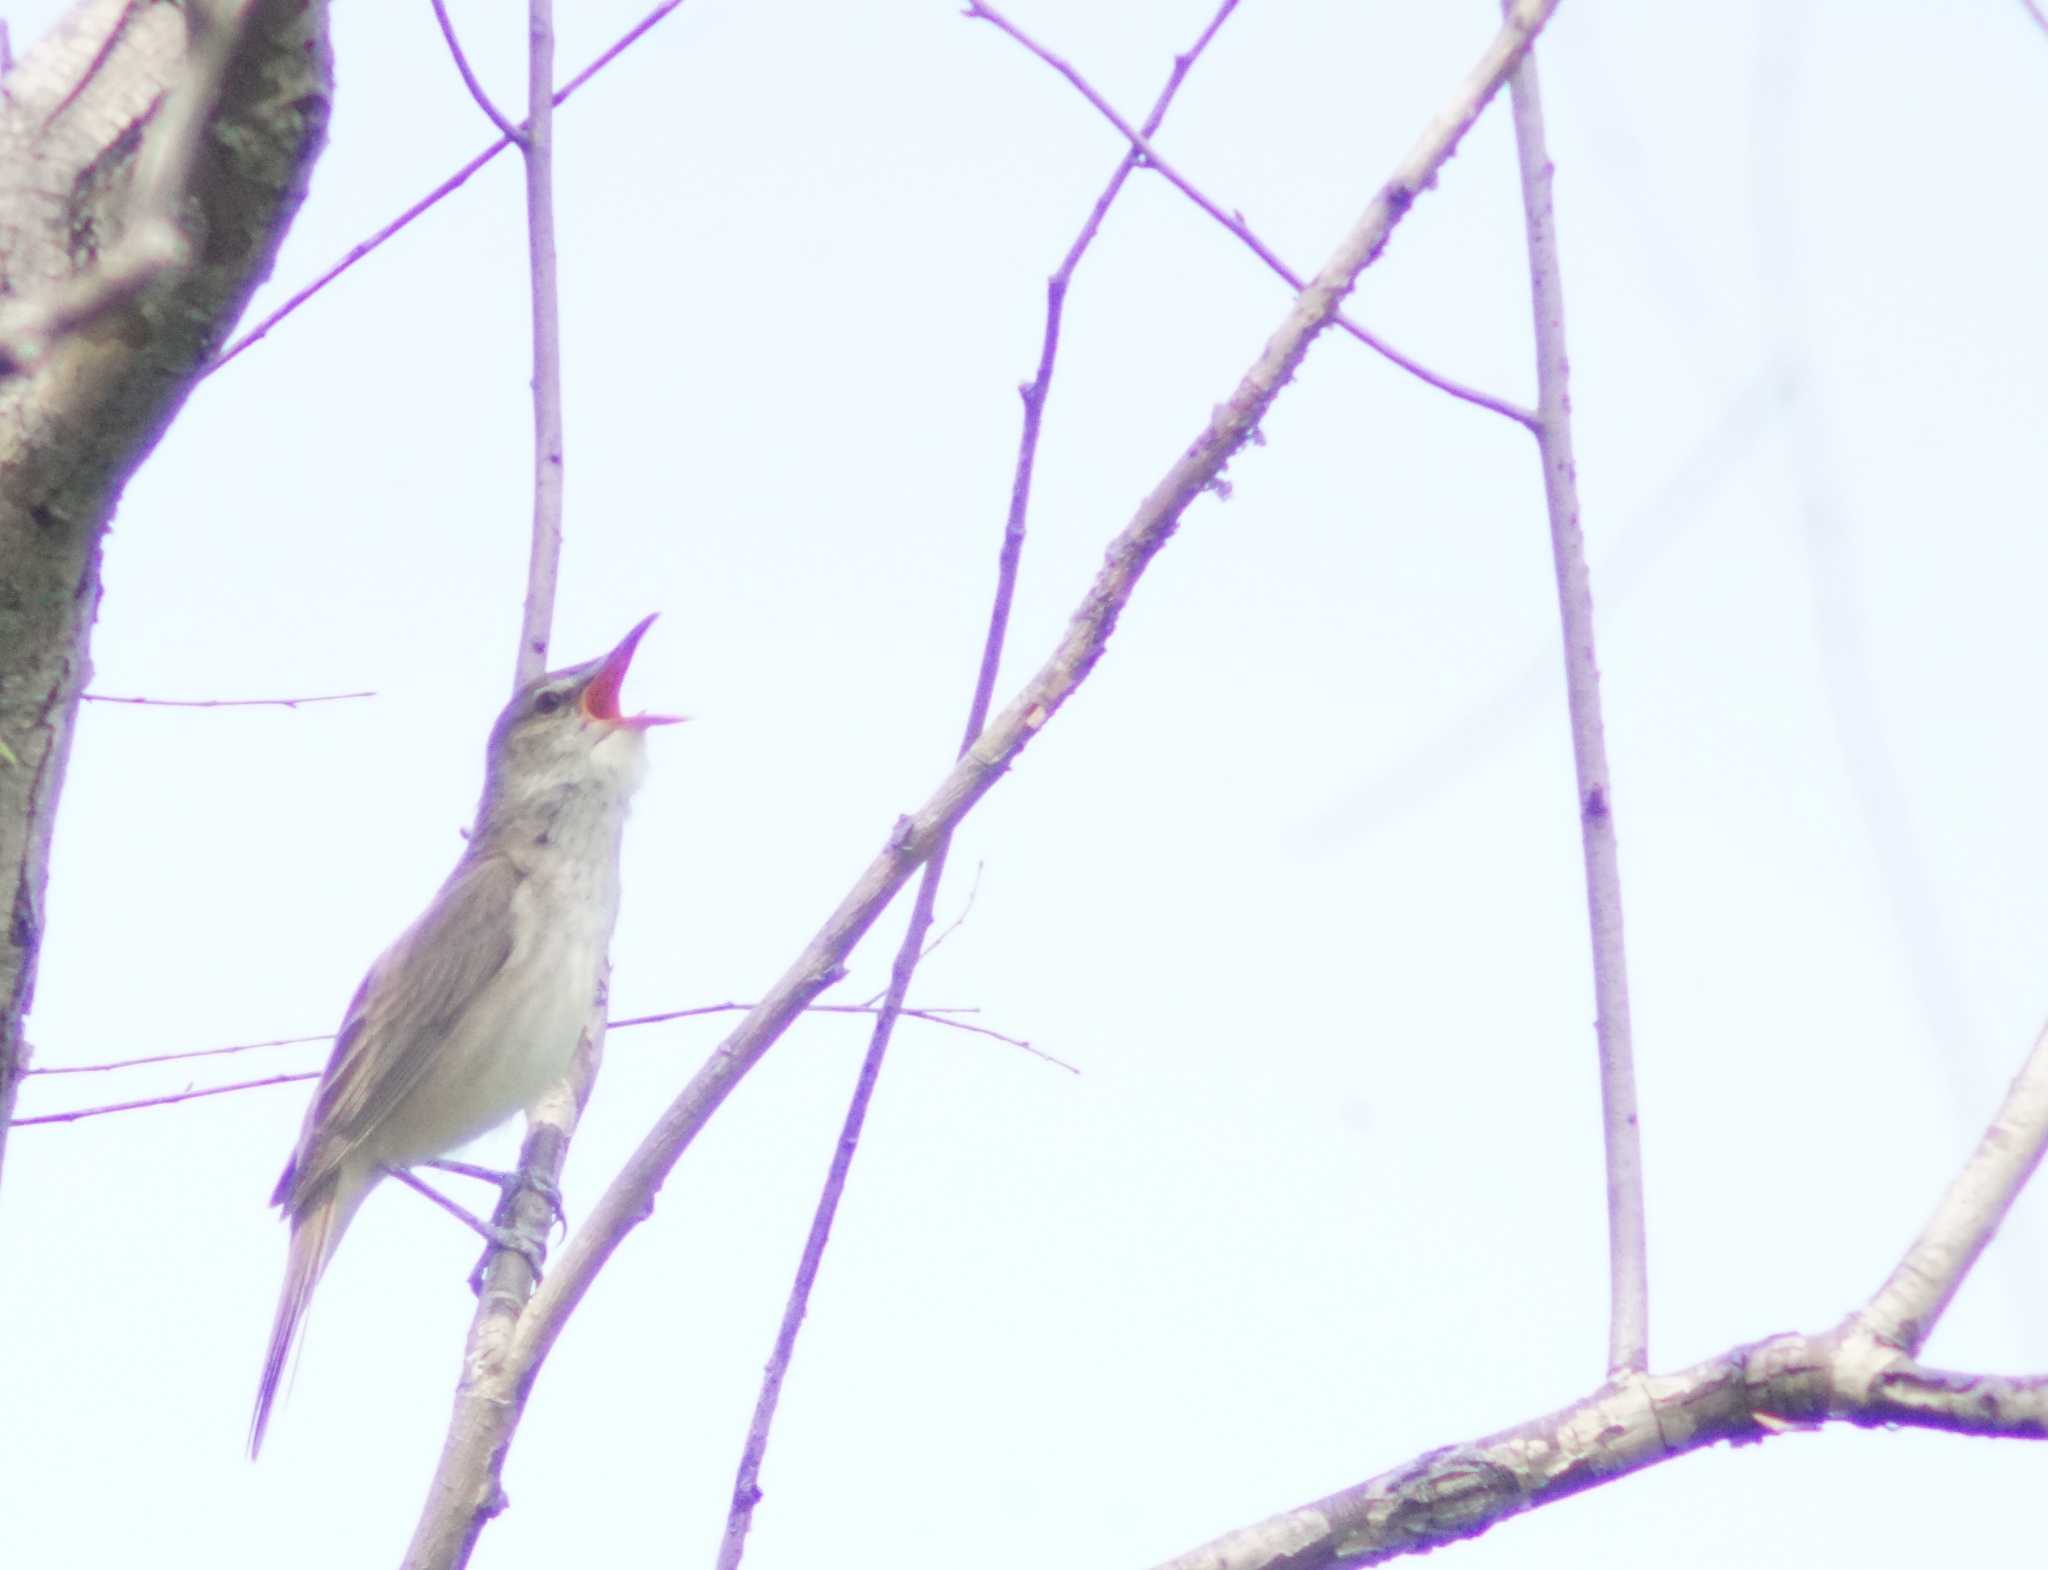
{"x":477,"y":1007}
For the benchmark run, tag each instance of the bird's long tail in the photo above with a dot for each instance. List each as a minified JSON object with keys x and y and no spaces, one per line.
{"x":316,"y":1231}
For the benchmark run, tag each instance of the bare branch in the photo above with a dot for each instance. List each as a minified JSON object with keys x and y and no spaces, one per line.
{"x":925,"y":1016}
{"x":227,"y":703}
{"x":930,"y":1016}
{"x":1462,"y":391}
{"x":178,"y":1057}
{"x":2038,"y":13}
{"x":1654,"y":524}
{"x":1629,"y":1310}
{"x":171,"y":1099}
{"x":506,"y":128}
{"x":1747,"y":1394}
{"x":1856,"y":1373}
{"x":544,"y":560}
{"x":1229,"y":427}
{"x":1149,"y":157}
{"x":1906,"y":1308}
{"x":911,"y":950}
{"x":1993,"y":1406}
{"x":433,"y":198}
{"x":974,"y":888}
{"x":494,"y":1393}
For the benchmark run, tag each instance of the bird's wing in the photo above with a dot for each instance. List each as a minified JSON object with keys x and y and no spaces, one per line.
{"x":402,"y":1013}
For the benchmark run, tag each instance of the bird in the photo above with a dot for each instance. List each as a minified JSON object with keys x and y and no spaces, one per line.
{"x":477,"y":1007}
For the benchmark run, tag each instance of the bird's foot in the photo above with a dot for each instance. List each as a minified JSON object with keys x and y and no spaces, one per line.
{"x":510,"y":1183}
{"x":499,"y":1237}
{"x":535,"y":1254}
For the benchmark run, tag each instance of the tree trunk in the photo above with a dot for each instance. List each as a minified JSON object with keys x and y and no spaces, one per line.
{"x":151,"y":157}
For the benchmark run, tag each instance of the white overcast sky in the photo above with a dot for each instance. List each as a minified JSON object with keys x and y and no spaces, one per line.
{"x":1294,"y":883}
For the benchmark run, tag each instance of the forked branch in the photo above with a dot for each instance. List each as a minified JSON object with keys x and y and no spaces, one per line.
{"x":1859,"y":1373}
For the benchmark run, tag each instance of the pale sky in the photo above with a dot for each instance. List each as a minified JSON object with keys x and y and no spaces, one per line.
{"x":1293,"y":883}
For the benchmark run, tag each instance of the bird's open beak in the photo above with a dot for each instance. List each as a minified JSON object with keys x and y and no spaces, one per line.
{"x":601,"y":692}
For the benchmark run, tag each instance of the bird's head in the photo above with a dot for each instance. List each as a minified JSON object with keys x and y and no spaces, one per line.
{"x":563,"y":735}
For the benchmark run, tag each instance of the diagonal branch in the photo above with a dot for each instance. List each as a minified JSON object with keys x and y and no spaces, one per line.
{"x":1906,"y":1307}
{"x":466,"y":1488}
{"x":746,"y":1487}
{"x":440,"y":193}
{"x":1149,"y":157}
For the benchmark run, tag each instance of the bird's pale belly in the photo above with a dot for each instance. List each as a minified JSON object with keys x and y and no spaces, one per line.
{"x":508,"y":1049}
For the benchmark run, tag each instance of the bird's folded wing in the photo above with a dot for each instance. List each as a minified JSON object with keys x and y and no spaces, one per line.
{"x":402,"y":1013}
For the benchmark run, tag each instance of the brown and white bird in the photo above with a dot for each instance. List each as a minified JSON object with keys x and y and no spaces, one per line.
{"x":476,"y":1009}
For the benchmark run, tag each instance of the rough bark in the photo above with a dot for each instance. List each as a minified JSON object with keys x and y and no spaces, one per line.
{"x":127,"y":250}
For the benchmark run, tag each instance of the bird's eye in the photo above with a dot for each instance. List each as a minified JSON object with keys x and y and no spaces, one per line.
{"x":547,"y":702}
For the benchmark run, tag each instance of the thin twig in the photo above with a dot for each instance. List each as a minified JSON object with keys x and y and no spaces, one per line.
{"x":544,"y":559}
{"x":78,"y":1113}
{"x":433,"y":198}
{"x":929,"y":1016}
{"x":1149,"y":156}
{"x":1628,"y":1324}
{"x":746,"y":1492}
{"x":966,"y":909}
{"x":227,"y":703}
{"x":911,"y":950}
{"x":506,"y":128}
{"x":974,"y":888}
{"x":2038,"y":13}
{"x":179,"y":1057}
